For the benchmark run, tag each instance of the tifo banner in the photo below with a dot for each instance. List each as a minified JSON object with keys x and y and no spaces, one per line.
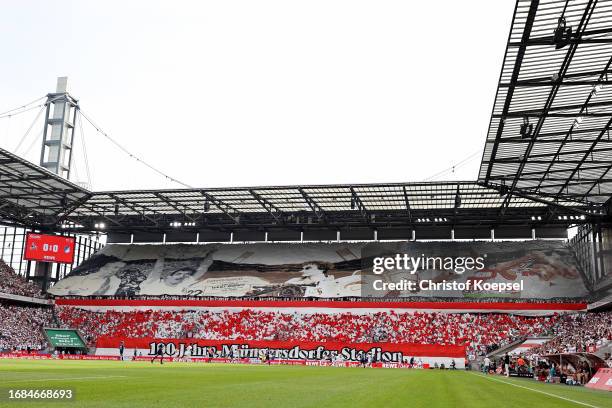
{"x":475,"y":270}
{"x":283,"y":350}
{"x":533,"y":269}
{"x":602,"y":380}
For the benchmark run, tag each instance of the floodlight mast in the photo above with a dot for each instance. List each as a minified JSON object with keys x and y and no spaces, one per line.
{"x":56,"y":153}
{"x":58,"y":133}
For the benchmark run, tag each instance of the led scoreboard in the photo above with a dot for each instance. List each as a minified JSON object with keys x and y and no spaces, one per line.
{"x":49,"y":248}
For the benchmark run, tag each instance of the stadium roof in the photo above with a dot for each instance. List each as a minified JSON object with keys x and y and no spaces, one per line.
{"x":549,"y":133}
{"x":29,"y":194}
{"x":546,"y":161}
{"x":34,"y":197}
{"x":327,"y":205}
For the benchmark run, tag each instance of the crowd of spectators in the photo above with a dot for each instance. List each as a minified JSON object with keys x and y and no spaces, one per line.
{"x":14,"y":284}
{"x":453,"y":299}
{"x":477,"y":331}
{"x":576,"y":373}
{"x":580,"y":332}
{"x":21,"y":327}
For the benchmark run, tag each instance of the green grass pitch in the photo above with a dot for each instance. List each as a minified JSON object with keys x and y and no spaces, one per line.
{"x":140,"y":384}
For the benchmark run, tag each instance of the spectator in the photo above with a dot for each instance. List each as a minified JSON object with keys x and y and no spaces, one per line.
{"x":576,"y":333}
{"x":473,"y":330}
{"x":14,"y":284}
{"x":21,"y":327}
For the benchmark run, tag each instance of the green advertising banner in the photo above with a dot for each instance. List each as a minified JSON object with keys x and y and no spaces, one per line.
{"x":64,"y":338}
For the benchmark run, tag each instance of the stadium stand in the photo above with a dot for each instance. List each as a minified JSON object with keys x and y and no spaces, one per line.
{"x":12,"y":283}
{"x":578,"y":333}
{"x":21,"y":326}
{"x":415,"y":328}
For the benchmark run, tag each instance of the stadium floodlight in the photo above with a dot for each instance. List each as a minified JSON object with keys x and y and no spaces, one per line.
{"x":526,"y":128}
{"x":562,"y":34}
{"x":100,"y":225}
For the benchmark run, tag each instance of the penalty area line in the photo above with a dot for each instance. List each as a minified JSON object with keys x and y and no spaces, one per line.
{"x":67,"y":378}
{"x":534,"y":390}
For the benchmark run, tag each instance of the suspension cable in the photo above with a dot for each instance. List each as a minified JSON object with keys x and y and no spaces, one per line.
{"x":82,"y":134}
{"x":455,"y":166}
{"x":123,"y":149}
{"x":23,"y":138}
{"x":2,"y":114}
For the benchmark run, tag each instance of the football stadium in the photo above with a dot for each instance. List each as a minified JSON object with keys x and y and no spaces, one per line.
{"x":495,"y":291}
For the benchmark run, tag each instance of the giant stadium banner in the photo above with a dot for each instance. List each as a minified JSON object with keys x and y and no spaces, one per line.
{"x":284,"y":350}
{"x":523,"y":270}
{"x":425,"y":362}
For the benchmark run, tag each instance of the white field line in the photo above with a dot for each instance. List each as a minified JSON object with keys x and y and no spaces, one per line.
{"x":67,"y":378}
{"x":534,"y":390}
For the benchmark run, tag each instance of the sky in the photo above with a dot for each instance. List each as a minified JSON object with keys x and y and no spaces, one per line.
{"x":254,"y":93}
